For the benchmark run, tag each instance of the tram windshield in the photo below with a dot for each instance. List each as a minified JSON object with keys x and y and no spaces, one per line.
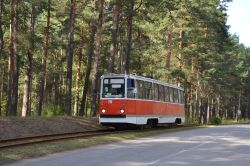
{"x":113,"y":88}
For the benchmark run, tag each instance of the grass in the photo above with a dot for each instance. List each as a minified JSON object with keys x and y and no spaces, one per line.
{"x":37,"y":150}
{"x":231,"y":122}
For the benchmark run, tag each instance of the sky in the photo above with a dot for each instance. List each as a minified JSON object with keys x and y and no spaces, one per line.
{"x":239,"y":20}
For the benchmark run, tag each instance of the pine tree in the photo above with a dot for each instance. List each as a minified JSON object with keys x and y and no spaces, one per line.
{"x":97,"y":54}
{"x":13,"y":66}
{"x":44,"y":62}
{"x":70,"y":56}
{"x":115,"y":24}
{"x":26,"y":110}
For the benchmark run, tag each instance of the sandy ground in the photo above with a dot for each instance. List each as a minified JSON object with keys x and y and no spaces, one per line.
{"x":11,"y":128}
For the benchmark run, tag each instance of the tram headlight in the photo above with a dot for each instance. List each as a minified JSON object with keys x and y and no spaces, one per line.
{"x":122,"y":111}
{"x":103,"y":110}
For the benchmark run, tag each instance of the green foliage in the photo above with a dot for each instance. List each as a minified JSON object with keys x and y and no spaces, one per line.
{"x":216,"y":121}
{"x":178,"y":73}
{"x":50,"y":111}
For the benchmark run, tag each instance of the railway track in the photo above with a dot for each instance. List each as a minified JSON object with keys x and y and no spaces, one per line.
{"x":10,"y":143}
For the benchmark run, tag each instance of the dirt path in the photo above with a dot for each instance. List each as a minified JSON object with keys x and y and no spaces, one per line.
{"x":24,"y":127}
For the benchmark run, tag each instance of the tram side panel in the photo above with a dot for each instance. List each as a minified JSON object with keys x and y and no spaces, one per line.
{"x":144,"y":111}
{"x":164,"y":112}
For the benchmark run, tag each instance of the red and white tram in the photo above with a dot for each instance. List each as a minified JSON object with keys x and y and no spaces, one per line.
{"x":130,"y":99}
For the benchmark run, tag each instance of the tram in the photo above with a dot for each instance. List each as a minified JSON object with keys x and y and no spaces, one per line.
{"x":127,"y":99}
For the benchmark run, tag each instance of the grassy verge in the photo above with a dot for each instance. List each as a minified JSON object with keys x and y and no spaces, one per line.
{"x":37,"y":150}
{"x":231,"y":122}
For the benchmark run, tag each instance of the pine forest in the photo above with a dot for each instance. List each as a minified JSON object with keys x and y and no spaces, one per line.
{"x":53,"y":52}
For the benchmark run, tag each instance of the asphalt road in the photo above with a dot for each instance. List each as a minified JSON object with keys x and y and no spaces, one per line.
{"x":225,"y":145}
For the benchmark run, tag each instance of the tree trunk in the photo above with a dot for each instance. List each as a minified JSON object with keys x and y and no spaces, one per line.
{"x":1,"y":29}
{"x":1,"y":52}
{"x":208,"y":110}
{"x":97,"y":59}
{"x":218,"y":106}
{"x":56,"y":80}
{"x":26,"y":94}
{"x":28,"y":76}
{"x":189,"y":104}
{"x":201,"y":111}
{"x":89,"y":66}
{"x":121,"y":54}
{"x":26,"y":109}
{"x":113,"y":46}
{"x":238,"y":111}
{"x":139,"y":61}
{"x":198,"y":99}
{"x":44,"y":63}
{"x":70,"y":57}
{"x":12,"y":67}
{"x":129,"y":33}
{"x":1,"y":92}
{"x":169,"y":47}
{"x":78,"y":78}
{"x":180,"y":57}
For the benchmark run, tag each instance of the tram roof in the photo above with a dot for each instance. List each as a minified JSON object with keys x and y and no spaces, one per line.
{"x":112,"y":75}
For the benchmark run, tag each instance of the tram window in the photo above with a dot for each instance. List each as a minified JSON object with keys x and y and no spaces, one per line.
{"x":176,"y":95}
{"x":130,"y":83}
{"x":140,"y":89}
{"x":161,"y":92}
{"x":179,"y":94}
{"x":131,"y":90}
{"x":182,"y":97}
{"x":151,"y":91}
{"x":156,"y":92}
{"x":166,"y":94}
{"x":113,"y":88}
{"x":171,"y":95}
{"x":148,"y":90}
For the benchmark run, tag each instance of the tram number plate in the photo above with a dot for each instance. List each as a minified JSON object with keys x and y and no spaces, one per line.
{"x":110,"y":101}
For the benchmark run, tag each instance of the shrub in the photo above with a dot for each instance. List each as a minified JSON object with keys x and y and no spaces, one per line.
{"x":216,"y":121}
{"x":50,"y":111}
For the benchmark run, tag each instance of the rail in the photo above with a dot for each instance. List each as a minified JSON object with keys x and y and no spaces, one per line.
{"x":9,"y":143}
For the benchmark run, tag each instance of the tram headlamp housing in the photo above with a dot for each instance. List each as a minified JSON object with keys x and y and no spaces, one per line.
{"x":122,"y":111}
{"x":103,"y":110}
